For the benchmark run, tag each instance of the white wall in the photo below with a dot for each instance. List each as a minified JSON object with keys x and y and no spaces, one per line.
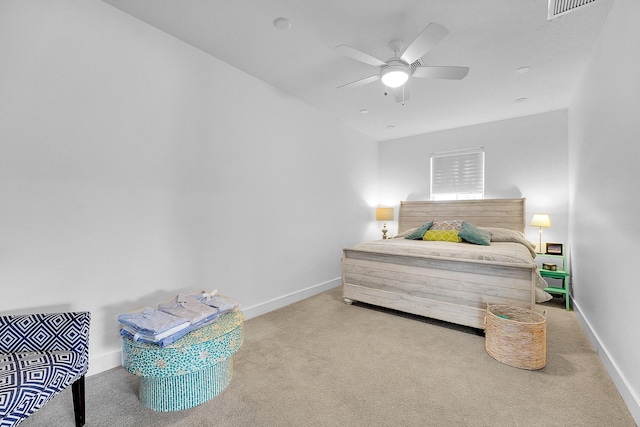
{"x":604,"y":133}
{"x":133,"y":167}
{"x":524,"y":157}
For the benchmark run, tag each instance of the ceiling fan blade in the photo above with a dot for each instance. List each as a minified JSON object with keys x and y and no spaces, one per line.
{"x":446,"y":72}
{"x":400,"y":94}
{"x":358,"y":55}
{"x":427,"y":39}
{"x":360,"y":82}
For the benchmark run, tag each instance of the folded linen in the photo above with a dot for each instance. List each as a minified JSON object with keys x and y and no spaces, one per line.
{"x":218,"y":301}
{"x":165,"y":340}
{"x":162,"y":342}
{"x":152,"y":322}
{"x":189,"y":308}
{"x":137,"y":335}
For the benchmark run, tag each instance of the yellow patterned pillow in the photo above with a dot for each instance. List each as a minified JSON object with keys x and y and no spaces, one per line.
{"x":442,"y":236}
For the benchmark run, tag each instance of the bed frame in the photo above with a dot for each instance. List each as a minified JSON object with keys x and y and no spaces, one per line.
{"x":448,"y":289}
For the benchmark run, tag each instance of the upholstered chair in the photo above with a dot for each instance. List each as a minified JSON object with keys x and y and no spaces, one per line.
{"x":41,"y":355}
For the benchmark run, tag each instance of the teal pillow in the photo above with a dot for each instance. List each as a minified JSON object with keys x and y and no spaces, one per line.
{"x":419,"y":232}
{"x":473,"y":234}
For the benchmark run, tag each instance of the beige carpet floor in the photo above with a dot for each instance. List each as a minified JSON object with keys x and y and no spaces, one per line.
{"x":320,"y":362}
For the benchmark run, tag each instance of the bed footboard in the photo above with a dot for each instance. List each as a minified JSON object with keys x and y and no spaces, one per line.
{"x":448,"y":289}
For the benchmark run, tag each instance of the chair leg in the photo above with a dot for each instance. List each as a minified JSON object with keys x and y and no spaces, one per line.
{"x":77,"y":389}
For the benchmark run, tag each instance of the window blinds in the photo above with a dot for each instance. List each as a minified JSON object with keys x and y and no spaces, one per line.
{"x":457,"y":174}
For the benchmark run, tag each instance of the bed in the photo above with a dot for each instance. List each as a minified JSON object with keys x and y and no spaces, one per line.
{"x":448,"y":281}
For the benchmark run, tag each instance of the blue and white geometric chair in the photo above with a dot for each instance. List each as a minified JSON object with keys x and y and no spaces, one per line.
{"x":41,"y":355}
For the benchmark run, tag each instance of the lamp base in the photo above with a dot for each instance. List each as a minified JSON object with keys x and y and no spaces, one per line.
{"x":384,"y":231}
{"x":540,"y":246}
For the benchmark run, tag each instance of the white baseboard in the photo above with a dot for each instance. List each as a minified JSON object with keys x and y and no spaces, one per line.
{"x":104,"y":362}
{"x":265,"y":307}
{"x":113,"y":359}
{"x":628,"y":395}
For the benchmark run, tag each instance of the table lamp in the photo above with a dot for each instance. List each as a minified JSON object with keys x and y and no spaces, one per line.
{"x":540,"y":220}
{"x":384,"y":214}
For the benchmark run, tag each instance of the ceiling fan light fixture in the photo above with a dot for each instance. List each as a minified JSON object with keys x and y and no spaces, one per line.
{"x":395,"y":75}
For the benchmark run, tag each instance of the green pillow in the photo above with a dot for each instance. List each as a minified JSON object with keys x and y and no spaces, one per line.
{"x":419,"y":232}
{"x":442,"y":236}
{"x":473,"y":234}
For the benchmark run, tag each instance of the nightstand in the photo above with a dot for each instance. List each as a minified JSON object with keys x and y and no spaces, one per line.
{"x":561,"y":273}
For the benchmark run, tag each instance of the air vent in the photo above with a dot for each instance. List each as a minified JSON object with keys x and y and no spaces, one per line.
{"x":560,"y":7}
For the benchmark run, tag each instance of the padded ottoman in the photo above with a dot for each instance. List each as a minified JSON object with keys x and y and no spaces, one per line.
{"x":189,"y":372}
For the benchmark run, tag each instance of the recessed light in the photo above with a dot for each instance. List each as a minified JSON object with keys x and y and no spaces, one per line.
{"x":521,"y":100}
{"x":523,"y":70}
{"x":282,"y":23}
{"x":364,"y":111}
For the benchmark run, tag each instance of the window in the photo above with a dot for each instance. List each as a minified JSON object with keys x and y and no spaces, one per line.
{"x":457,"y":175}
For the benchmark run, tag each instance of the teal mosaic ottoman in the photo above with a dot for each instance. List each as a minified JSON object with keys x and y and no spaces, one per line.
{"x":191,"y":371}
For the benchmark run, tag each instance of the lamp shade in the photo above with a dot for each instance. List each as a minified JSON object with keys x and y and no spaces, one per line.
{"x":384,"y":214}
{"x":540,"y":220}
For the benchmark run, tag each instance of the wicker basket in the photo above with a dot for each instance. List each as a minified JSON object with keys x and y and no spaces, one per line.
{"x":516,"y":336}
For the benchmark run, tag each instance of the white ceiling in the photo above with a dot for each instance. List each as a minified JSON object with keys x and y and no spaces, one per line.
{"x":492,"y":37}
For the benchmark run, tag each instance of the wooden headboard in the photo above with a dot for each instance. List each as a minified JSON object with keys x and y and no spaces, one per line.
{"x":503,"y":213}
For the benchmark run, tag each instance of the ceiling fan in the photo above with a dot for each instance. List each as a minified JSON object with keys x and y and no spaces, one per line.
{"x":395,"y":72}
